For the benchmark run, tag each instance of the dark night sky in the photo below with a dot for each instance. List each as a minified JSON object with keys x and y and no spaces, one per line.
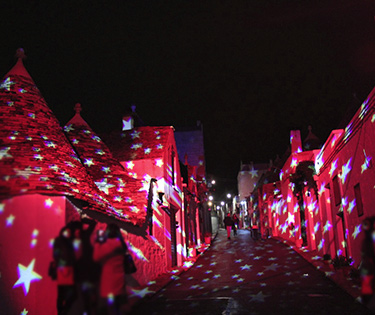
{"x":250,"y":71}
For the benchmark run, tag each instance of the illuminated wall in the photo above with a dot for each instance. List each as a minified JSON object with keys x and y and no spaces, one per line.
{"x":343,"y":196}
{"x":29,"y":223}
{"x":347,"y":181}
{"x":150,"y":152}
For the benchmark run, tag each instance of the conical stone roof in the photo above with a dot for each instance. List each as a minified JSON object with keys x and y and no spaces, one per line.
{"x":35,"y":155}
{"x":127,"y":195}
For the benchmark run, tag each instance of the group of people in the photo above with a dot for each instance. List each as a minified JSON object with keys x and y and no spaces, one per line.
{"x":231,"y":223}
{"x":89,"y":267}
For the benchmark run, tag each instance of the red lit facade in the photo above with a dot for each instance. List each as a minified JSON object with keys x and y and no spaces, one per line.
{"x":323,"y":195}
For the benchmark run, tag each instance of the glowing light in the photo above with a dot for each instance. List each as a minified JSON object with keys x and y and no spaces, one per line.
{"x":106,"y":169}
{"x":147,"y":151}
{"x":10,"y":219}
{"x":253,"y":172}
{"x":327,"y":227}
{"x":348,"y":131}
{"x":159,"y":162}
{"x":135,"y":134}
{"x":333,"y":167}
{"x":357,"y":230}
{"x":104,"y":186}
{"x":6,"y":84}
{"x":68,"y":128}
{"x":188,"y":264}
{"x":141,"y":293}
{"x":129,"y":165}
{"x":294,"y":163}
{"x":24,"y":312}
{"x":137,"y":252}
{"x":48,"y":202}
{"x":364,"y":109}
{"x":26,"y":276}
{"x":321,"y":244}
{"x":38,"y":157}
{"x":351,"y":207}
{"x":246,"y":267}
{"x":316,"y":227}
{"x":345,"y":171}
{"x":89,"y":162}
{"x":136,"y":146}
{"x":367,"y":163}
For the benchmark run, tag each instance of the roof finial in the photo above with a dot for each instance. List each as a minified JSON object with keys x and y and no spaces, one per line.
{"x":309,"y":128}
{"x":78,"y":108}
{"x":20,"y":54}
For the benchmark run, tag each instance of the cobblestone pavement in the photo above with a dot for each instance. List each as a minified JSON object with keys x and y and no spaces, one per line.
{"x":243,"y":276}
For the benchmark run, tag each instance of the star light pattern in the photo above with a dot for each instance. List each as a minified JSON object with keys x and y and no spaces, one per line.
{"x":26,"y":276}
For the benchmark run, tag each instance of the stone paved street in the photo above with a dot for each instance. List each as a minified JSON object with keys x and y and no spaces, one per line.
{"x":243,"y":276}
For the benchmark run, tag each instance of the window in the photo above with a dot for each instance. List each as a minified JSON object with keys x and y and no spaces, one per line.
{"x":336,"y":190}
{"x":358,"y":199}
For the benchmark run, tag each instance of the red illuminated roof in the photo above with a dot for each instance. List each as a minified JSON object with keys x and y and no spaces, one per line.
{"x":139,"y":143}
{"x":35,"y":155}
{"x":127,"y":195}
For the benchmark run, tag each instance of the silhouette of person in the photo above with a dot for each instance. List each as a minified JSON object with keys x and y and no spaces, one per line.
{"x":109,"y":252}
{"x":228,"y":222}
{"x":88,"y":271}
{"x":65,"y":257}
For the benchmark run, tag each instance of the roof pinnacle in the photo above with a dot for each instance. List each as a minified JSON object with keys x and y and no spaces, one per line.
{"x":20,"y":53}
{"x":78,"y":108}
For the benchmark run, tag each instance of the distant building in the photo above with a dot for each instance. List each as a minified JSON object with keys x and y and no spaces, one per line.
{"x":248,"y":177}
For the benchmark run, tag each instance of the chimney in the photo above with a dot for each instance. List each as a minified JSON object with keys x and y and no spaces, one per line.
{"x":127,"y":122}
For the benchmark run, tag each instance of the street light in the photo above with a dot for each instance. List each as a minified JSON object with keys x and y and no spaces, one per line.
{"x":229,"y":196}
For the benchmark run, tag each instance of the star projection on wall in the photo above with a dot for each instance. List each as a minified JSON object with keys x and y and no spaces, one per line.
{"x":345,"y":171}
{"x":26,"y":276}
{"x":367,"y":162}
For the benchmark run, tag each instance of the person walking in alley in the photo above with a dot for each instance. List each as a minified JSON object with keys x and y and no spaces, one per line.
{"x":228,"y":222}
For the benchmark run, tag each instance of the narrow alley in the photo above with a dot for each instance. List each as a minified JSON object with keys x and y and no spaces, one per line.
{"x":246,"y":276}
